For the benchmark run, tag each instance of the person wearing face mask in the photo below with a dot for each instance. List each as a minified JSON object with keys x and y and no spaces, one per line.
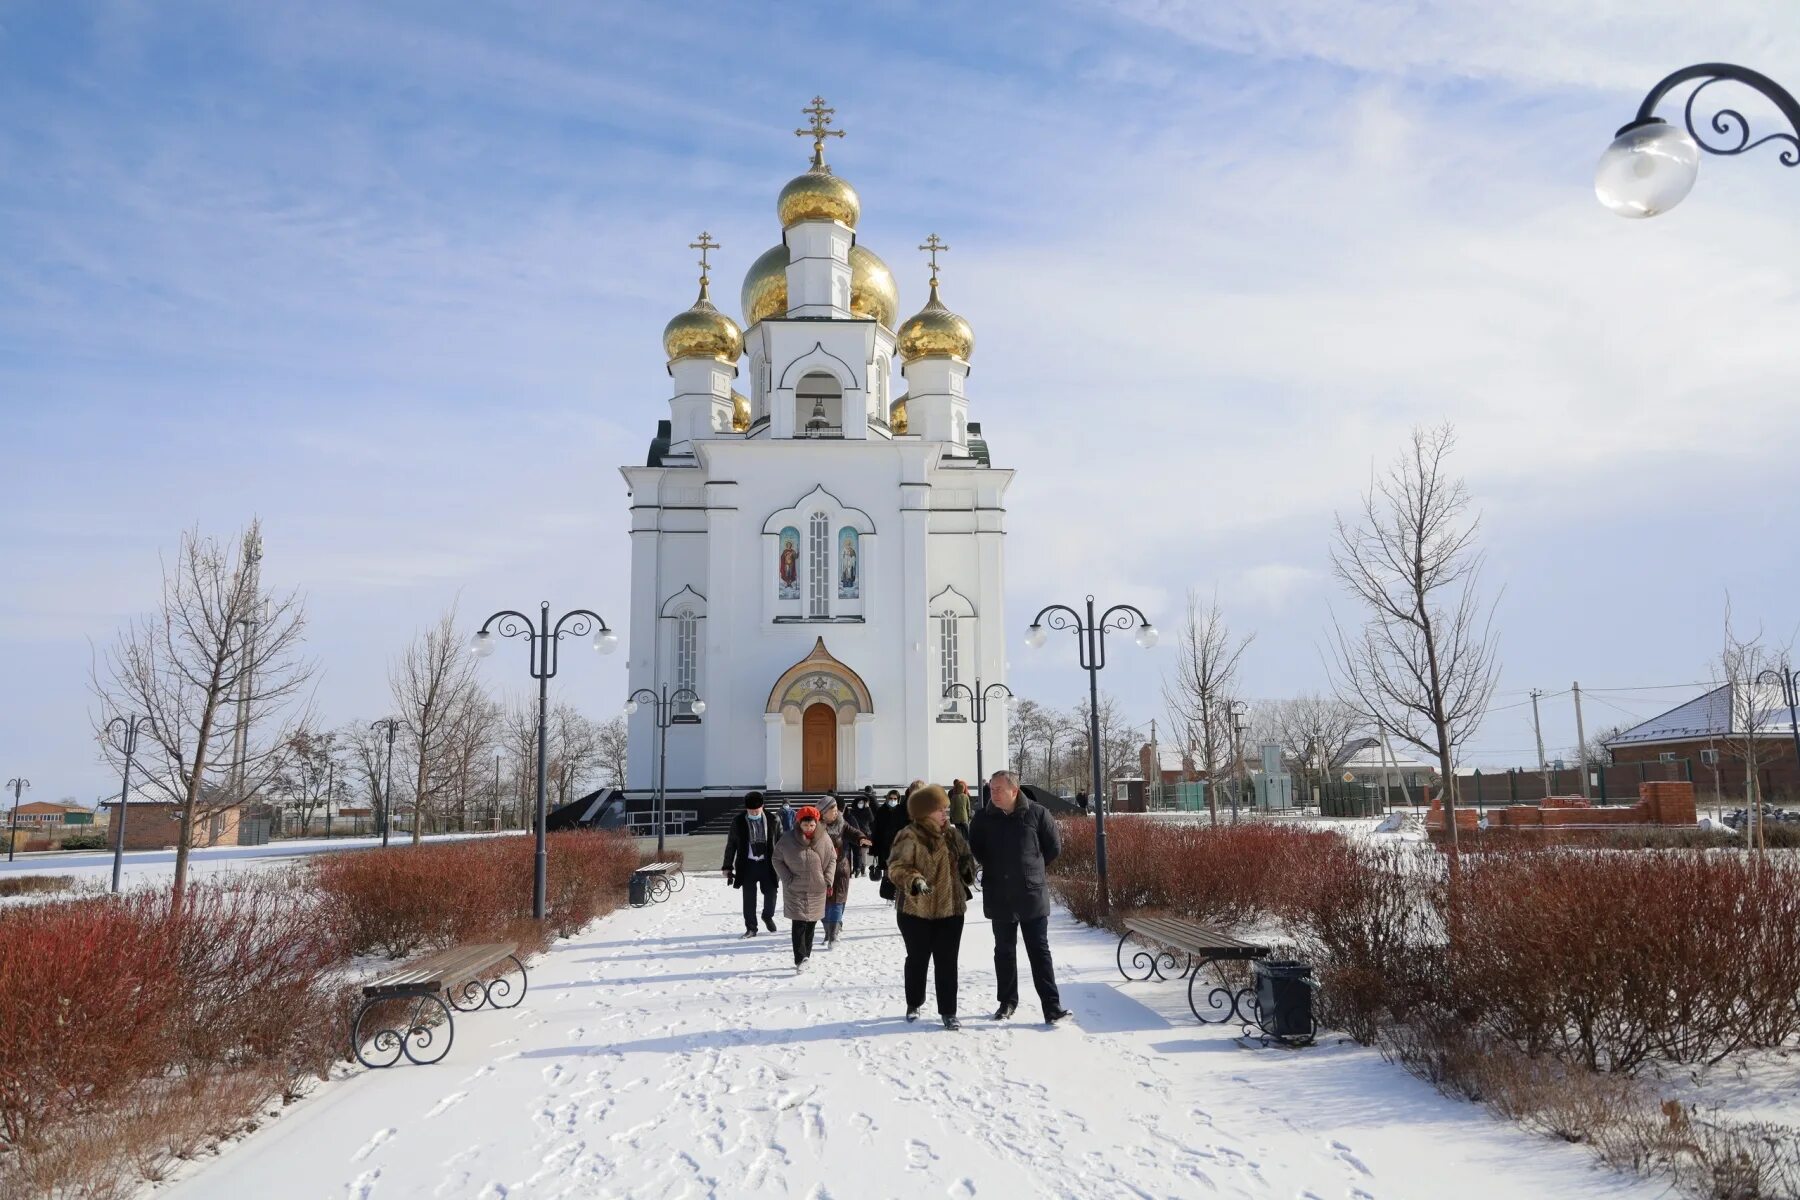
{"x":889,"y":819}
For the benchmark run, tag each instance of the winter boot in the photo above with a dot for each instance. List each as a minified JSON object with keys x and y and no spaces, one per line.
{"x":831,"y":932}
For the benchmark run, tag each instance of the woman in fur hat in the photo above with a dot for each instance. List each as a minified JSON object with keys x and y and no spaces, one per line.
{"x":805,"y":862}
{"x":931,"y":869}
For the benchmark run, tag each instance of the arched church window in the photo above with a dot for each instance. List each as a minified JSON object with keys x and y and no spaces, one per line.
{"x":949,"y":659}
{"x":687,"y":658}
{"x":818,"y":565}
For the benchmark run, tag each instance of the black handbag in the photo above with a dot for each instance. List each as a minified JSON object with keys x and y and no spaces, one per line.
{"x":886,"y":889}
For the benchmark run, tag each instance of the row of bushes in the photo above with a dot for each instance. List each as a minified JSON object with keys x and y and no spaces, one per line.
{"x":1605,"y":960}
{"x":1586,"y":961}
{"x":133,"y":1032}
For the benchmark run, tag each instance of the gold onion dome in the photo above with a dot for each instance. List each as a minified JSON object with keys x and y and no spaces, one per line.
{"x":818,"y":195}
{"x":703,"y":332}
{"x":897,"y":414}
{"x":935,"y":332}
{"x":740,"y":412}
{"x":872,"y":291}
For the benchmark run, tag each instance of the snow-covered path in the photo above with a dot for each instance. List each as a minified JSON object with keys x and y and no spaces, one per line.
{"x":658,"y":1055}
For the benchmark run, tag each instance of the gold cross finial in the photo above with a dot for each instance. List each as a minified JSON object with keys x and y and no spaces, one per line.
{"x":705,"y":244}
{"x":933,"y":244}
{"x":819,"y":129}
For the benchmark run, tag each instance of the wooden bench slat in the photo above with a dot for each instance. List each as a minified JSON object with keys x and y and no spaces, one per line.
{"x":443,"y":967}
{"x":1192,"y":937}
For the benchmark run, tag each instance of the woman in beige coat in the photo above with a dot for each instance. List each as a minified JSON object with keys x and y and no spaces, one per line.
{"x":805,"y":862}
{"x":931,"y":869}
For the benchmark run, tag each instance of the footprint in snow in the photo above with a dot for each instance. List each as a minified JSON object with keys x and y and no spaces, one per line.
{"x":450,"y":1101}
{"x":962,"y":1187}
{"x":919,"y":1156}
{"x":369,"y":1147}
{"x":1344,"y":1153}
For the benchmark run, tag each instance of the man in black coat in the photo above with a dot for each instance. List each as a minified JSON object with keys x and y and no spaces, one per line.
{"x":747,"y":863}
{"x":1014,"y":840}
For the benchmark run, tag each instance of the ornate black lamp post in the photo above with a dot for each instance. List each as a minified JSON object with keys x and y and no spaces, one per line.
{"x":17,"y":785}
{"x":387,"y":788}
{"x":1090,"y":637}
{"x":665,"y":717}
{"x":978,"y":704}
{"x":1789,"y":679}
{"x":1651,"y":164}
{"x":542,"y":640}
{"x":128,"y":728}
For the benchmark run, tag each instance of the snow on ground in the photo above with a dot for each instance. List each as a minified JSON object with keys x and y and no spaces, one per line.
{"x":658,"y":1055}
{"x":143,"y":868}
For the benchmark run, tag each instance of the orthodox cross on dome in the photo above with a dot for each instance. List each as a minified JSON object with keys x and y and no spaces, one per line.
{"x":933,"y":244}
{"x":819,"y":129}
{"x":705,"y":244}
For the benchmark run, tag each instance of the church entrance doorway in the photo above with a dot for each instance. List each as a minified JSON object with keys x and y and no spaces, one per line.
{"x":818,"y":758}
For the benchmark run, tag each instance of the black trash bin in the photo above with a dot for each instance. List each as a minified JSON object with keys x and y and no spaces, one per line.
{"x":640,"y":889}
{"x":1284,"y":996}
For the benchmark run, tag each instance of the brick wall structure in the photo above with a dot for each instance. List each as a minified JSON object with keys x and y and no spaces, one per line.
{"x":1561,"y":819}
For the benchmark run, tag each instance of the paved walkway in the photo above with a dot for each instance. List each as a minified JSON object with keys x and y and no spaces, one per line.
{"x":658,"y":1055}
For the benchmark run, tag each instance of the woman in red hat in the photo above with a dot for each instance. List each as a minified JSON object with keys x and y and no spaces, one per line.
{"x":806,"y":863}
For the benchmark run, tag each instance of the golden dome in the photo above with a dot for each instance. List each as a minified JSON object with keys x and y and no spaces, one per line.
{"x":872,"y":291}
{"x":740,"y":412}
{"x":818,"y":195}
{"x":897,"y":415}
{"x":936,"y":332}
{"x":703,"y":332}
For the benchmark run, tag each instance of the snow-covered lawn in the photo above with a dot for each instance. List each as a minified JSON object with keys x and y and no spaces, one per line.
{"x":144,"y":868}
{"x":658,"y":1055}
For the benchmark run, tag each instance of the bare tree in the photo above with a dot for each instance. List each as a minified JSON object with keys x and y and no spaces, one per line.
{"x":306,"y":774}
{"x":218,"y":672}
{"x":1423,"y":662}
{"x":431,"y":685}
{"x":365,"y":749}
{"x":1312,"y":731}
{"x":574,"y":752}
{"x":1200,"y":692}
{"x":1743,"y":658}
{"x":471,"y":735}
{"x":614,"y":737}
{"x":1118,"y":744}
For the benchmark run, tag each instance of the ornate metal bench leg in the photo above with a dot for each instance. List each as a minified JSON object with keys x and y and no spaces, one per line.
{"x":1224,"y":1000}
{"x":659,"y":888}
{"x":680,"y":879}
{"x":1150,"y":961}
{"x":385,"y":1045}
{"x":500,"y":988}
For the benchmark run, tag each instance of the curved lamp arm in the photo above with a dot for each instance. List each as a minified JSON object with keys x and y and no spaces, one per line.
{"x":1727,"y":122}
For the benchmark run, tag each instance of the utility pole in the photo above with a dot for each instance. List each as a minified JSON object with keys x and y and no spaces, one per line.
{"x":1155,"y":766}
{"x":1581,"y":740}
{"x":1543,"y":763}
{"x":240,"y":734}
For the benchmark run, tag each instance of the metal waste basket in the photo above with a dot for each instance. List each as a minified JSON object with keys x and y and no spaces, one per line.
{"x":1284,"y":1001}
{"x":639,"y":893}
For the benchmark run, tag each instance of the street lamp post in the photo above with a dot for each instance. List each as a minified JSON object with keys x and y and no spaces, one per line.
{"x":128,"y":727}
{"x":664,"y":709}
{"x":978,"y":703}
{"x":1651,"y":165}
{"x":542,"y":640}
{"x":387,"y":787}
{"x":1090,"y":638}
{"x":1238,"y":728}
{"x":17,"y":785}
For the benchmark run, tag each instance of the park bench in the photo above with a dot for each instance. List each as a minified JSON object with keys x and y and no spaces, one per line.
{"x":438,"y":983}
{"x":1203,"y":945}
{"x":655,"y":882}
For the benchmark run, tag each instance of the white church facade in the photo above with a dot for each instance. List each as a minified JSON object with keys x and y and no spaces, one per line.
{"x":815,"y":553}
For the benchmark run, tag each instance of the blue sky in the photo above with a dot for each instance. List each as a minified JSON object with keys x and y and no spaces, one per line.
{"x":392,"y":277}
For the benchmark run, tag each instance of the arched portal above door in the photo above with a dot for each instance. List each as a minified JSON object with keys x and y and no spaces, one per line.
{"x":819,"y":678}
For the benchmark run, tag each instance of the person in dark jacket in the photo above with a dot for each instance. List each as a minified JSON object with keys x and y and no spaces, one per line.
{"x":1014,"y":840}
{"x":748,"y":865}
{"x":889,"y":819}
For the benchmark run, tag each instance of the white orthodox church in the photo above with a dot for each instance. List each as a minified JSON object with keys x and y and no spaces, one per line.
{"x":820,"y":559}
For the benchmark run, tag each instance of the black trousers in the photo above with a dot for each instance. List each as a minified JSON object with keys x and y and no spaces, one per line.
{"x":759,"y":874}
{"x":931,"y":942}
{"x":1037,"y":950}
{"x":803,"y":940}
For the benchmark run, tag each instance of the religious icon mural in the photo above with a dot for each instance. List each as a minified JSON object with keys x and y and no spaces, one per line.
{"x":787,"y":564}
{"x":849,"y":567}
